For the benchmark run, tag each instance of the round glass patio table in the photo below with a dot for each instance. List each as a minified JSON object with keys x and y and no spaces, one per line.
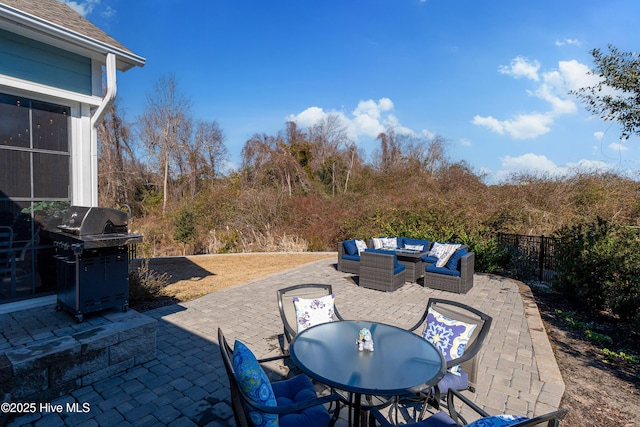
{"x":401,"y":360}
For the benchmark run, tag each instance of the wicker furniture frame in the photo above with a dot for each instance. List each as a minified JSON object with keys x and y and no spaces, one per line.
{"x":413,"y":264}
{"x":458,"y":284}
{"x":347,"y":265}
{"x":376,"y":272}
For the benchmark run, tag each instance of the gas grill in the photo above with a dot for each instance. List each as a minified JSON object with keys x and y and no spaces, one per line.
{"x":92,"y":259}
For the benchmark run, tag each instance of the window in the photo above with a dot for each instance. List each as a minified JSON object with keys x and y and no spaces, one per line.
{"x":34,"y":186}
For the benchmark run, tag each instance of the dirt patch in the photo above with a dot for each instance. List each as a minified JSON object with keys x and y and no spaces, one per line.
{"x":600,"y":390}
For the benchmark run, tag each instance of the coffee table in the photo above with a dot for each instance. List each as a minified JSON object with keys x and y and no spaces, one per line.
{"x":401,"y":360}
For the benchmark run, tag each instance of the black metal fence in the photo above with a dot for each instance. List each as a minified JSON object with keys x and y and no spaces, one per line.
{"x":532,"y":257}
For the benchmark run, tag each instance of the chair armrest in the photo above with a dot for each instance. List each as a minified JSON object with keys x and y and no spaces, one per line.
{"x":467,"y":264}
{"x":453,"y":413}
{"x":376,"y":415}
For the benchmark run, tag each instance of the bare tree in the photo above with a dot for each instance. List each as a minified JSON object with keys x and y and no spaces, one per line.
{"x":161,"y":125}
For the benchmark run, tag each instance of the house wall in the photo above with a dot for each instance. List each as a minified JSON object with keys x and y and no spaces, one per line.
{"x":41,"y":63}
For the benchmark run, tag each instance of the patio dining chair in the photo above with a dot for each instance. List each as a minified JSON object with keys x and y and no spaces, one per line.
{"x":458,"y":330}
{"x":256,"y":401}
{"x":453,"y":418}
{"x":303,"y":306}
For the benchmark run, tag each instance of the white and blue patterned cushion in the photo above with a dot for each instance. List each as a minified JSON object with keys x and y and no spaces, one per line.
{"x":448,"y":335}
{"x":361,"y":246}
{"x":497,"y":421}
{"x":254,"y":383}
{"x":311,"y":312}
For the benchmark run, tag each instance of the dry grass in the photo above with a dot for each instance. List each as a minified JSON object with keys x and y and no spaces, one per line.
{"x":195,"y":276}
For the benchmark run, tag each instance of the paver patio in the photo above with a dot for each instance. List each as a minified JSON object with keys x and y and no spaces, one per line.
{"x":186,"y":383}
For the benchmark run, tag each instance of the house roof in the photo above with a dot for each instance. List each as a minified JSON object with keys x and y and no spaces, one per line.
{"x":56,"y":23}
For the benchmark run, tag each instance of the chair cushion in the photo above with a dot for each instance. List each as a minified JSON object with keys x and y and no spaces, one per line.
{"x":431,"y":268}
{"x":295,"y":390}
{"x":313,"y":311}
{"x":497,"y":421}
{"x":398,"y":268}
{"x":439,"y":419}
{"x":455,"y":382}
{"x":350,"y":247}
{"x":448,"y":335}
{"x":253,"y":381}
{"x":351,"y":257}
{"x":429,"y":259}
{"x":454,"y":259}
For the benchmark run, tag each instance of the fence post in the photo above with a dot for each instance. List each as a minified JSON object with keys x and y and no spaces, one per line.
{"x":541,"y":259}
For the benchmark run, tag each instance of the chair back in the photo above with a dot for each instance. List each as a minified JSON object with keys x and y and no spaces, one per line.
{"x":236,"y":398}
{"x":459,"y":311}
{"x":288,"y":310}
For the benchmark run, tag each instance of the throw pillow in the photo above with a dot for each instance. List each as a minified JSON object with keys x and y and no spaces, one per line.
{"x":350,"y":247}
{"x":448,"y":335}
{"x":389,"y":242}
{"x":361,"y":245}
{"x":447,"y":251}
{"x":311,"y":312}
{"x":377,"y":243}
{"x":497,"y":421}
{"x":253,"y":381}
{"x":414,"y":247}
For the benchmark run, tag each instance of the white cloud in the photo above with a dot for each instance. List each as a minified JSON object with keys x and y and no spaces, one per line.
{"x":618,"y":146}
{"x":523,"y":126}
{"x":598,"y":135}
{"x":553,"y":87}
{"x":368,"y":119}
{"x":521,"y":67}
{"x":535,"y":163}
{"x":465,"y":142}
{"x":573,"y":42}
{"x":82,"y":7}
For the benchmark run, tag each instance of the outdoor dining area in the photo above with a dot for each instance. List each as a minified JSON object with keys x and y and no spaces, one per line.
{"x":366,"y":372}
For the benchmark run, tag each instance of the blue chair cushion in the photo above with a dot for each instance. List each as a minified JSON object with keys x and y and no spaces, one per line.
{"x":429,"y":259}
{"x":298,"y":389}
{"x":431,"y":268}
{"x":398,"y":268}
{"x":254,"y":383}
{"x":454,"y":260}
{"x":497,"y":421}
{"x":351,"y":257}
{"x":454,"y":382}
{"x":350,"y":247}
{"x":439,"y":419}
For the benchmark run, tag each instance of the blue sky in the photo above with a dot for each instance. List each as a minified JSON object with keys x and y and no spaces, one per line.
{"x":491,"y":77}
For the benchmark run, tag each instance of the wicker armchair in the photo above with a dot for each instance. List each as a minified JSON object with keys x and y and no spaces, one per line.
{"x":347,"y":265}
{"x":380,"y":270}
{"x":458,"y":284}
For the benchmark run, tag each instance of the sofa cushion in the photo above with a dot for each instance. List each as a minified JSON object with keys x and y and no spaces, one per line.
{"x":398,"y":268}
{"x":454,"y":260}
{"x":429,"y":259}
{"x":389,"y":242}
{"x":350,"y":247}
{"x":416,"y":244}
{"x":431,"y":268}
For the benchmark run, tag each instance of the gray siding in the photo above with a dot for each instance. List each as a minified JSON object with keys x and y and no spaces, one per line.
{"x":41,"y":63}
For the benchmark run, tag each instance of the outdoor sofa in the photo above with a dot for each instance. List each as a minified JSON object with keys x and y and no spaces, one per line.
{"x":454,"y":276}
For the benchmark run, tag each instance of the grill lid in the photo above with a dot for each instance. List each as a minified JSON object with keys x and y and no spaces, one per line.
{"x":85,"y":221}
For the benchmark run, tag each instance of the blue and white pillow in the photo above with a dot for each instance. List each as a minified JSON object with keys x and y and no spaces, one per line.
{"x":253,"y":381}
{"x":497,"y":421}
{"x":448,"y":335}
{"x":311,"y":312}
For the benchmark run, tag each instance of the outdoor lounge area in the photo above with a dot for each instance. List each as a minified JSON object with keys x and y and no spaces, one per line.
{"x":187,"y":383}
